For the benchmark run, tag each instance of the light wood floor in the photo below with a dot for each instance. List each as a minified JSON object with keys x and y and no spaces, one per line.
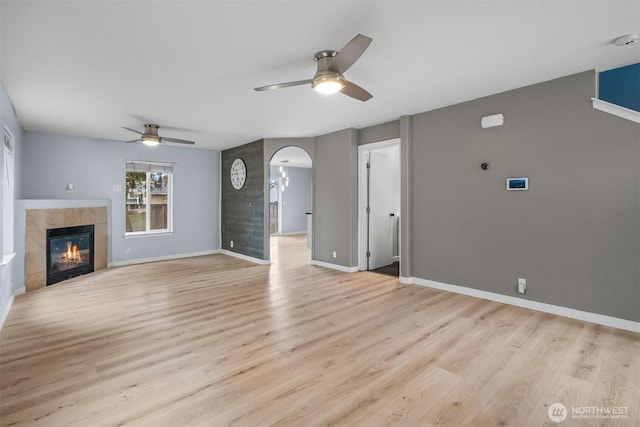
{"x":214,"y":341}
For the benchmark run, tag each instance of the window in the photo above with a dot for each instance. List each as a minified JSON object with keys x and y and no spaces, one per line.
{"x":7,"y":194}
{"x":149,"y":198}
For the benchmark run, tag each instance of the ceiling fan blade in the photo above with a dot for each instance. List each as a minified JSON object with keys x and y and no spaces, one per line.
{"x":350,"y":53}
{"x":281,"y":85}
{"x":132,"y":130}
{"x":134,"y":140}
{"x":355,"y":91}
{"x":179,"y":141}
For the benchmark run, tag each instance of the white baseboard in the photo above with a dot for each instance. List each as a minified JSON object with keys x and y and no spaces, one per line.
{"x":334,"y":266}
{"x":246,"y":257}
{"x":293,"y":233}
{"x":163,"y":258}
{"x":586,"y":316}
{"x":7,"y":307}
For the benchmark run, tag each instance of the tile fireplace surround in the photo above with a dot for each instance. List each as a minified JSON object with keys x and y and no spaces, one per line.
{"x":37,"y":221}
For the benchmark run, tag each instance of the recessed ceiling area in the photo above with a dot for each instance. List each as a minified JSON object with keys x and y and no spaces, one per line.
{"x":89,"y":68}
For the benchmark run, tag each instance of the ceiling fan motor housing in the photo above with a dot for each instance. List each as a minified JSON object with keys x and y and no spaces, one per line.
{"x":323,"y":74}
{"x":151,"y":133}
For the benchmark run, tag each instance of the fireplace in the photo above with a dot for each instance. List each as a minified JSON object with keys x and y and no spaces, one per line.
{"x":69,"y":252}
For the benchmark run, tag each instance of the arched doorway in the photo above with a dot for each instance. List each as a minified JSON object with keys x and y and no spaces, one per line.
{"x":290,"y":203}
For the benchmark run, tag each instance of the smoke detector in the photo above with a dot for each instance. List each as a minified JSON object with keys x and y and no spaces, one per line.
{"x":626,"y":40}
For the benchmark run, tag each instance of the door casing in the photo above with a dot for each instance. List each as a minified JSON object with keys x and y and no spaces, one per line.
{"x":363,"y":150}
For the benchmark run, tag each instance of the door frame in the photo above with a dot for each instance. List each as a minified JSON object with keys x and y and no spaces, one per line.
{"x":363,"y":191}
{"x":280,"y":183}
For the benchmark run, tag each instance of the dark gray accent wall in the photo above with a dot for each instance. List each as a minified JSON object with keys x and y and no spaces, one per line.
{"x":574,"y":235}
{"x":335,"y":205}
{"x":243,"y":211}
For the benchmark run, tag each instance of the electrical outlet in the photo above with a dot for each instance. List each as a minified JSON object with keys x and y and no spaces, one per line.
{"x":522,"y":285}
{"x":232,"y":243}
{"x":334,"y":254}
{"x":127,"y":251}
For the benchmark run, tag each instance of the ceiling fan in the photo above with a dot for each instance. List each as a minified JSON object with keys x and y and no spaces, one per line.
{"x":150,"y":136}
{"x":332,"y":64}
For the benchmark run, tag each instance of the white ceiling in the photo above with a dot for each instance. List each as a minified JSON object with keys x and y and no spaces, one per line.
{"x":88,"y":68}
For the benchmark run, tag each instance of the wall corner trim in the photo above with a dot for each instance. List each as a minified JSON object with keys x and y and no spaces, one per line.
{"x":334,"y":266}
{"x":7,"y":307}
{"x":246,"y":257}
{"x":600,"y":319}
{"x":616,"y":110}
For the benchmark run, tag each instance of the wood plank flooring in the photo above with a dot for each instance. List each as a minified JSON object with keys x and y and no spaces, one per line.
{"x":216,"y":341}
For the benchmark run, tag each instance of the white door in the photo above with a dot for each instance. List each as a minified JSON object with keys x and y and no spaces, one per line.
{"x":381,"y":208}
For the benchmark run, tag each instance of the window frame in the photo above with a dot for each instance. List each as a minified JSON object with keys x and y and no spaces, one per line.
{"x":166,"y":168}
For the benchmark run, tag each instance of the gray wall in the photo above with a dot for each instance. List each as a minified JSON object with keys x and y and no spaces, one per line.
{"x":271,"y":146}
{"x":382,"y":132}
{"x":243,"y":210}
{"x":94,"y":166}
{"x":574,"y":236}
{"x":296,"y":199}
{"x":335,"y":204}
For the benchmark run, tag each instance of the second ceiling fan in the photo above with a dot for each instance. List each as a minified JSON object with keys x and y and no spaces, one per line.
{"x":150,"y":136}
{"x":332,"y":64}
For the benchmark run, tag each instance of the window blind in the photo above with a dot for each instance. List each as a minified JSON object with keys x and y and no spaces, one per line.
{"x":140,"y":166}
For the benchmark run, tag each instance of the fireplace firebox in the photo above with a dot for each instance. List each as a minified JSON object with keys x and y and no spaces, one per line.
{"x":69,"y":252}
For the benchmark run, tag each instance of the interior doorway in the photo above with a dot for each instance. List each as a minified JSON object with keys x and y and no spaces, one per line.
{"x":379,"y":207}
{"x":290,"y":195}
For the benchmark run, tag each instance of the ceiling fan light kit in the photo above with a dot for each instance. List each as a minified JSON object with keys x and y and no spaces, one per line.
{"x":325,"y":81}
{"x":150,"y":136}
{"x":150,"y":141}
{"x":328,"y":83}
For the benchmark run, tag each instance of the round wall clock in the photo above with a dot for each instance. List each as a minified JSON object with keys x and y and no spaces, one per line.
{"x":238,"y":174}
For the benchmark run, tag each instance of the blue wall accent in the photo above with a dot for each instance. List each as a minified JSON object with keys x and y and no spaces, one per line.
{"x":621,"y":86}
{"x":8,"y":284}
{"x":94,"y":166}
